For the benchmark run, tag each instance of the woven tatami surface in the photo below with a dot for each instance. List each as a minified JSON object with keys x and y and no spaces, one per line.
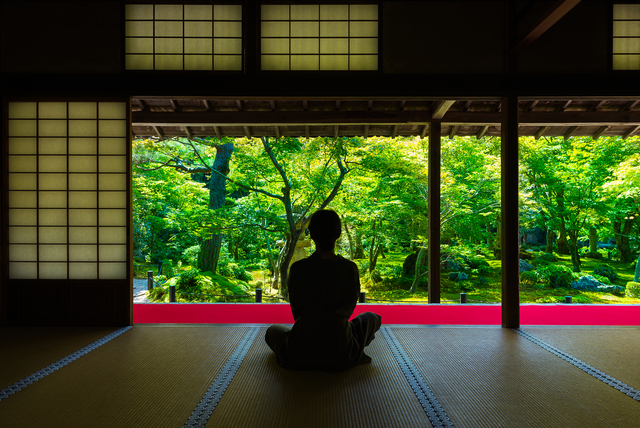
{"x":610,"y":349}
{"x":147,"y":377}
{"x":493,"y":377}
{"x":264,"y":395}
{"x":25,"y":350}
{"x":155,"y":375}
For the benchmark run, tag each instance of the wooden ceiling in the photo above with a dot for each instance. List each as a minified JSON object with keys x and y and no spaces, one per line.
{"x":166,"y":117}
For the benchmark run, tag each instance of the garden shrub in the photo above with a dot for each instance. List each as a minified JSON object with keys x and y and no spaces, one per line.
{"x":540,"y":262}
{"x":191,"y":254}
{"x":602,"y":279}
{"x":556,"y":275}
{"x":607,"y":271}
{"x":633,"y":289}
{"x":548,"y":257}
{"x":529,"y":278}
{"x":167,"y":268}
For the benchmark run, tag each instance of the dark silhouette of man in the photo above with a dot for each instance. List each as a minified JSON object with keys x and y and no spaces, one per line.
{"x":323,"y":290}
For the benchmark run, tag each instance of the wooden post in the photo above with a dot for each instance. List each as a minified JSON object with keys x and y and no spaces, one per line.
{"x":149,"y":280}
{"x":510,"y":231}
{"x":433,"y":232}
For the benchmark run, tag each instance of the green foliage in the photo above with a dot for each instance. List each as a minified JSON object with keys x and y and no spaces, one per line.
{"x":547,"y":257}
{"x":167,"y":268}
{"x":633,"y":289}
{"x":556,"y":275}
{"x":191,"y":254}
{"x":606,"y":271}
{"x":602,"y":279}
{"x":529,"y":278}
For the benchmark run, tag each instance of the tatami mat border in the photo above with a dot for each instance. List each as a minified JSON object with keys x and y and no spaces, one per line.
{"x":23,"y":383}
{"x":434,"y":410}
{"x":609,"y":380}
{"x":211,"y":398}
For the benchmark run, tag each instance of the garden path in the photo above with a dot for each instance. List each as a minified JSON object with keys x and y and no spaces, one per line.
{"x":140,"y":291}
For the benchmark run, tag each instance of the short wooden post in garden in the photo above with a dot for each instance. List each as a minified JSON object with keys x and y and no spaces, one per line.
{"x":258,"y":295}
{"x":149,"y":280}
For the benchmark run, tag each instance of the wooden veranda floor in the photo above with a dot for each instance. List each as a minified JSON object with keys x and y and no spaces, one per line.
{"x":156,"y":375}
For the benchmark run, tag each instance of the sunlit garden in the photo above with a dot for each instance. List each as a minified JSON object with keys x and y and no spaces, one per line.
{"x":220,"y":219}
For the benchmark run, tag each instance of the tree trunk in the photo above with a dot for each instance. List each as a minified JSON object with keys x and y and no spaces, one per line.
{"x":490,"y":237}
{"x":359,"y":250}
{"x":285,"y":260}
{"x":563,"y":244}
{"x":573,"y":250}
{"x":549,"y":248}
{"x":622,"y":230}
{"x":349,"y":237}
{"x":419,"y":262}
{"x":217,"y":185}
{"x":636,"y":277}
{"x":593,"y":240}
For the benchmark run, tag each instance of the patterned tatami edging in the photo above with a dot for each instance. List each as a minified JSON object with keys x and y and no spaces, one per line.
{"x":23,"y":383}
{"x":609,"y":380}
{"x":434,"y":410}
{"x":211,"y":398}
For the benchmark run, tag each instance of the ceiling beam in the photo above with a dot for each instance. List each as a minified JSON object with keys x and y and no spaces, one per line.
{"x":394,"y":131}
{"x":187,"y":130}
{"x":216,"y":129}
{"x":392,"y":117}
{"x":174,"y":105}
{"x":277,"y":129}
{"x":570,"y":132}
{"x":366,"y":131}
{"x":424,"y":131}
{"x":159,"y":132}
{"x":599,"y":132}
{"x":335,"y":132}
{"x":247,"y":131}
{"x":142,"y":105}
{"x":440,"y":108}
{"x":545,"y":21}
{"x":630,"y":132}
{"x":540,"y":131}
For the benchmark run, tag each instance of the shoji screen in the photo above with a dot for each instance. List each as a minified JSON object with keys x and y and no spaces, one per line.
{"x":67,"y":190}
{"x":183,"y":37}
{"x":626,"y":36}
{"x":326,"y":37}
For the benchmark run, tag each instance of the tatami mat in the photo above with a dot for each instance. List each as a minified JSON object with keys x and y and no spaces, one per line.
{"x":264,"y":395}
{"x":613,"y":350}
{"x":492,"y":377}
{"x":25,"y":350}
{"x":150,"y":376}
{"x":155,"y":376}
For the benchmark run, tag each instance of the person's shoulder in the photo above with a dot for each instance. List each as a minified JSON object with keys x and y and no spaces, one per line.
{"x":348,"y":262}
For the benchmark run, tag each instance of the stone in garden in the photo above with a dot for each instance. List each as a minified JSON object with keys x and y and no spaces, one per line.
{"x":586,"y":283}
{"x":458,"y":276}
{"x":525,"y":266}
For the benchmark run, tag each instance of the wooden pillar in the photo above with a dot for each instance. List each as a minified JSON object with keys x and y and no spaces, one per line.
{"x":510,"y":241}
{"x":433,"y":232}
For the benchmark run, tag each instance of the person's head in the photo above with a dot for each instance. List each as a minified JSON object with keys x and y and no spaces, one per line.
{"x":325,"y":228}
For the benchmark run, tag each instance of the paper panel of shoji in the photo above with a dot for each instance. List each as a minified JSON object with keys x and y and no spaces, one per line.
{"x":67,"y":185}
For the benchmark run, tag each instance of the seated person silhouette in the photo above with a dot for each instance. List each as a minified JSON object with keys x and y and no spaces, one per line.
{"x":323,"y":290}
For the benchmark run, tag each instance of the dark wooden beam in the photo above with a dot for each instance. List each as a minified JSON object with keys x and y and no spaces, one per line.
{"x":366,"y":131}
{"x":599,"y":132}
{"x":540,"y":132}
{"x":394,"y":131}
{"x":174,"y":105}
{"x":433,"y":196}
{"x":509,"y":232}
{"x":306,"y":131}
{"x":483,"y":130}
{"x":272,"y":103}
{"x":247,"y":131}
{"x":532,"y":105}
{"x":630,"y":132}
{"x":239,"y":105}
{"x":305,"y":105}
{"x":142,"y":105}
{"x":440,"y":108}
{"x":570,"y":132}
{"x":452,"y":131}
{"x":545,"y":21}
{"x":187,"y":130}
{"x":380,"y":117}
{"x":159,"y":132}
{"x":335,"y":131}
{"x":337,"y":104}
{"x":207,"y":105}
{"x":216,"y":129}
{"x":425,"y":129}
{"x":277,"y":129}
